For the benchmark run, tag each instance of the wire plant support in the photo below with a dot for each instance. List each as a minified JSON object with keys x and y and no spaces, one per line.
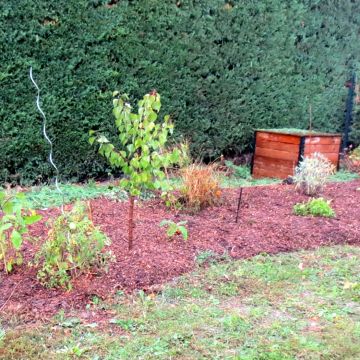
{"x":51,"y":160}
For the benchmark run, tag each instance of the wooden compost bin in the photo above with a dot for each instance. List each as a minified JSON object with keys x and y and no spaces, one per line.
{"x":278,"y":152}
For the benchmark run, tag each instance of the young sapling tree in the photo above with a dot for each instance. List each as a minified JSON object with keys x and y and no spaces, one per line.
{"x":142,"y":155}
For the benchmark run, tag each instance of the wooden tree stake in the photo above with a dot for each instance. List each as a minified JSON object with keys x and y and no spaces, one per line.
{"x":131,"y":220}
{"x":238,"y":206}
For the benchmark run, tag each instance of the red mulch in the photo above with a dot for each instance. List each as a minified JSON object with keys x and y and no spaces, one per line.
{"x":266,"y":225}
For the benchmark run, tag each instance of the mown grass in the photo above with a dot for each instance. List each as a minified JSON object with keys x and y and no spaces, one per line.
{"x":303,"y":305}
{"x":47,"y":196}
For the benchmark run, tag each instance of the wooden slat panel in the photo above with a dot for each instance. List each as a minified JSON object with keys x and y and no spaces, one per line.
{"x":284,"y":138}
{"x":277,"y":168}
{"x":333,"y":157}
{"x":322,"y":148}
{"x":276,"y":145}
{"x":274,"y":163}
{"x":323,"y":140}
{"x":276,"y":154}
{"x":260,"y":173}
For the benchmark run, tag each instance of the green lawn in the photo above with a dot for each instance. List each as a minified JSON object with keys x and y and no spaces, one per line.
{"x":48,"y":196}
{"x":303,"y":305}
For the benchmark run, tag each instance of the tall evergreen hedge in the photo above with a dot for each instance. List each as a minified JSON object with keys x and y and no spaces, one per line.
{"x":223,"y":68}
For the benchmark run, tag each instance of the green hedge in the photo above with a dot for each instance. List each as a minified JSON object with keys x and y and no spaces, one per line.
{"x":223,"y":69}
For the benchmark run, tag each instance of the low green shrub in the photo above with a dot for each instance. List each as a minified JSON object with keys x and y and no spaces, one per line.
{"x":242,"y":172}
{"x":314,"y":207}
{"x":74,"y":245}
{"x":14,"y":220}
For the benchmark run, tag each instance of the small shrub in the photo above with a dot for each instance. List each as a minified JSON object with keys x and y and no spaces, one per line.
{"x":314,"y":207}
{"x":351,"y":160}
{"x":200,"y":186}
{"x":14,"y":222}
{"x":242,"y":172}
{"x":74,"y":245}
{"x":174,"y":228}
{"x":312,"y":173}
{"x":141,"y":152}
{"x":355,"y":154}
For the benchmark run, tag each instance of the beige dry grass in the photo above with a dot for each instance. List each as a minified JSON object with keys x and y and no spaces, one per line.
{"x":200,"y":185}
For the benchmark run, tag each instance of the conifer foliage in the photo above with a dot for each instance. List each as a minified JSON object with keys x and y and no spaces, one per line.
{"x":223,"y":67}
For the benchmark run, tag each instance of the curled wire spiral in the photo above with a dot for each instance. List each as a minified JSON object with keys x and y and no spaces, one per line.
{"x":51,"y":160}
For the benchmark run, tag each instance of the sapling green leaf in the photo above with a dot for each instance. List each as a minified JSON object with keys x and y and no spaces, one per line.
{"x":141,"y":153}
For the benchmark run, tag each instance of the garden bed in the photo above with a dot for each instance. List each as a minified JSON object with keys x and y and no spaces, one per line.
{"x":266,"y":224}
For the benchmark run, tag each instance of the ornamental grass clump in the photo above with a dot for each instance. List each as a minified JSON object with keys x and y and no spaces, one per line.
{"x":200,"y":186}
{"x":74,"y":245}
{"x":312,"y":173}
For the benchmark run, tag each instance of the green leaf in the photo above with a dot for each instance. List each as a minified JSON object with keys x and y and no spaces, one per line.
{"x":102,"y":139}
{"x":2,"y":196}
{"x":5,"y":227}
{"x":130,"y":147}
{"x":164,"y":222}
{"x":184,"y":232}
{"x":32,"y":219}
{"x":9,"y":266}
{"x":8,"y":207}
{"x":16,"y":239}
{"x":171,"y":230}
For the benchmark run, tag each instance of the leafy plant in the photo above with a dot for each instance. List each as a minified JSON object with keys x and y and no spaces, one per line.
{"x":142,"y":156}
{"x":312,"y":173}
{"x":200,"y":186}
{"x":13,"y":225}
{"x":74,"y":245}
{"x":174,"y":228}
{"x":354,"y":154}
{"x":242,"y":172}
{"x":314,"y":207}
{"x":351,"y":160}
{"x":206,"y":256}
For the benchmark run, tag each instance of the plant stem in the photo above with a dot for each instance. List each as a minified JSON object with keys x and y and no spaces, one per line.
{"x":131,"y":220}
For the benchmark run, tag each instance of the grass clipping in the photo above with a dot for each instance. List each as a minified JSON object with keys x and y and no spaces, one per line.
{"x":200,"y":186}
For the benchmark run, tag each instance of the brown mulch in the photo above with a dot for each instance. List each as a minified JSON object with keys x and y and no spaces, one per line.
{"x":266,"y":224}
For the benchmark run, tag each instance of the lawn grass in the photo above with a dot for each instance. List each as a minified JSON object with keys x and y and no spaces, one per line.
{"x":42,"y":197}
{"x":303,"y":305}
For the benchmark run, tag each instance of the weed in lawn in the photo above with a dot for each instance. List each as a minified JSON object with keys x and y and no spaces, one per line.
{"x":283,"y":311}
{"x":314,"y":207}
{"x":127,"y":325}
{"x":206,"y":257}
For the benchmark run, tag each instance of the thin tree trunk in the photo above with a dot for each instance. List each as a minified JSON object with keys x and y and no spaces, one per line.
{"x":131,"y":221}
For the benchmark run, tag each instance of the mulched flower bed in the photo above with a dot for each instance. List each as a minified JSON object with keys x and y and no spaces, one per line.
{"x":266,"y":224}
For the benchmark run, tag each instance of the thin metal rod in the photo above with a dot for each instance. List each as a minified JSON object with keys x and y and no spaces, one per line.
{"x":47,"y":139}
{"x":238,"y":206}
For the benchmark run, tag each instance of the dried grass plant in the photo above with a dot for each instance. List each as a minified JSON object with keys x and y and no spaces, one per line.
{"x":200,"y":186}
